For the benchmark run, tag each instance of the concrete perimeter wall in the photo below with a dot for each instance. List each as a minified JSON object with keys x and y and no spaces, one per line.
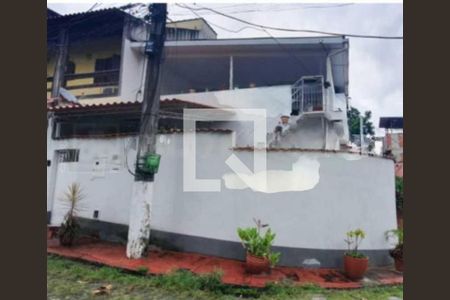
{"x":312,"y":199}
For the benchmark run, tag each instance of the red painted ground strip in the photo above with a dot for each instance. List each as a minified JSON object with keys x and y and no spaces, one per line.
{"x":163,"y":262}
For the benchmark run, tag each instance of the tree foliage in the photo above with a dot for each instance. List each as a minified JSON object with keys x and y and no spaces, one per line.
{"x":399,"y":192}
{"x":353,"y":116}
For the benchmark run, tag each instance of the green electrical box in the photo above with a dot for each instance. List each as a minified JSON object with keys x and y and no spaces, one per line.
{"x":151,"y":163}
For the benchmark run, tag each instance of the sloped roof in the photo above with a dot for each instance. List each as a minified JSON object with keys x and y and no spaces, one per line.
{"x":52,"y":14}
{"x":84,"y":13}
{"x":133,"y":105}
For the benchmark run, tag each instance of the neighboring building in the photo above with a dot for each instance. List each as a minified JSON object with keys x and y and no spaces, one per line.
{"x":393,"y":141}
{"x":192,"y":29}
{"x":103,"y":62}
{"x":95,"y":47}
{"x":316,"y":192}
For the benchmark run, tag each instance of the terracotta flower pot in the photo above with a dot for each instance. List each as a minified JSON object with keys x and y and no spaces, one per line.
{"x":399,"y":264}
{"x":257,"y":265}
{"x":397,"y":255}
{"x":355,"y":268}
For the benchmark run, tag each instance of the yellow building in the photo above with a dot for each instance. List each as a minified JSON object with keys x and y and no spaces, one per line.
{"x":102,"y":62}
{"x":96,"y":62}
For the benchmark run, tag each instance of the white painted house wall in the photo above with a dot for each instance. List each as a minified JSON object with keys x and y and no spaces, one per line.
{"x":322,"y":195}
{"x":276,"y":100}
{"x":133,"y":67}
{"x":107,"y":186}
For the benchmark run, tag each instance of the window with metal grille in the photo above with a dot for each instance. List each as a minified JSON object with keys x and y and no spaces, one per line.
{"x":96,"y":128}
{"x":68,"y":155}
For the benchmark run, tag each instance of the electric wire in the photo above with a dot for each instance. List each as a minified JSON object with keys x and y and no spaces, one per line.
{"x":290,"y":29}
{"x":285,"y":8}
{"x":273,"y":38}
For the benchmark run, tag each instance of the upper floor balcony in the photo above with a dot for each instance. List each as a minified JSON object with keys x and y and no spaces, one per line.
{"x":103,"y":82}
{"x":314,"y":96}
{"x":308,"y":95}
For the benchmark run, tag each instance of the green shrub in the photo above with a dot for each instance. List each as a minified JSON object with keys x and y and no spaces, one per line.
{"x":258,"y":244}
{"x":399,"y":192}
{"x":142,"y":270}
{"x":211,"y":281}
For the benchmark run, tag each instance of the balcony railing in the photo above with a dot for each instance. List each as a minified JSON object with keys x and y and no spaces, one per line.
{"x":308,"y":95}
{"x":108,"y":79}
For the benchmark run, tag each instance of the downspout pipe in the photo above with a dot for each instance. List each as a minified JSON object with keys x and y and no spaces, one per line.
{"x":331,"y":54}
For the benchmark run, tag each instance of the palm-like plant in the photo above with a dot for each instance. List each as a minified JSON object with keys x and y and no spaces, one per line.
{"x":70,"y":227}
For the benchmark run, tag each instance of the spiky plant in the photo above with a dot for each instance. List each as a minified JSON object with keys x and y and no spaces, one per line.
{"x":69,"y":227}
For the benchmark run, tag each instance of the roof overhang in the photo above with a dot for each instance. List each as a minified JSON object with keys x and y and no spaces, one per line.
{"x":334,"y":42}
{"x":89,"y":24}
{"x":336,"y":47}
{"x":170,"y":108}
{"x":391,"y":122}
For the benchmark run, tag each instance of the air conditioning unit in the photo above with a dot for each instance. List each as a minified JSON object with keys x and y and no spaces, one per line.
{"x":110,"y":91}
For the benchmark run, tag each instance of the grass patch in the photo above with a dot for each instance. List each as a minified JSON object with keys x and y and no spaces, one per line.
{"x":68,"y":279}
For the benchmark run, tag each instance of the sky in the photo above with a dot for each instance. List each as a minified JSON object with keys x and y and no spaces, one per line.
{"x":376,"y":65}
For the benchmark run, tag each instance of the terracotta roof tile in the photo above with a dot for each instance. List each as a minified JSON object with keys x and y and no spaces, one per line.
{"x":67,"y":107}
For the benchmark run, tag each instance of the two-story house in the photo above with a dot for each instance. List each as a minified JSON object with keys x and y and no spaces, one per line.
{"x":315,"y":191}
{"x":306,"y":78}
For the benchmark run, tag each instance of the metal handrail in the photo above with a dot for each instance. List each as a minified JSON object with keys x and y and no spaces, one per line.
{"x":308,"y":96}
{"x":86,"y":75}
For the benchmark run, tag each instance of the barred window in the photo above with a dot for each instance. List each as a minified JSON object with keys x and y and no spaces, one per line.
{"x":68,"y":155}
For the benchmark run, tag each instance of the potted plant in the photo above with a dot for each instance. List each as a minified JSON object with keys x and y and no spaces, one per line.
{"x":397,"y":252}
{"x":69,"y":227}
{"x":355,"y":263}
{"x":259,"y":257}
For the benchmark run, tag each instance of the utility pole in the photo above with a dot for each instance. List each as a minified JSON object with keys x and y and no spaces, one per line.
{"x":61,"y":60}
{"x":147,"y":161}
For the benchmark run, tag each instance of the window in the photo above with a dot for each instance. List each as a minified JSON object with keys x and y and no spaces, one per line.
{"x":179,"y":34}
{"x":99,"y":127}
{"x":68,"y":155}
{"x":103,"y":65}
